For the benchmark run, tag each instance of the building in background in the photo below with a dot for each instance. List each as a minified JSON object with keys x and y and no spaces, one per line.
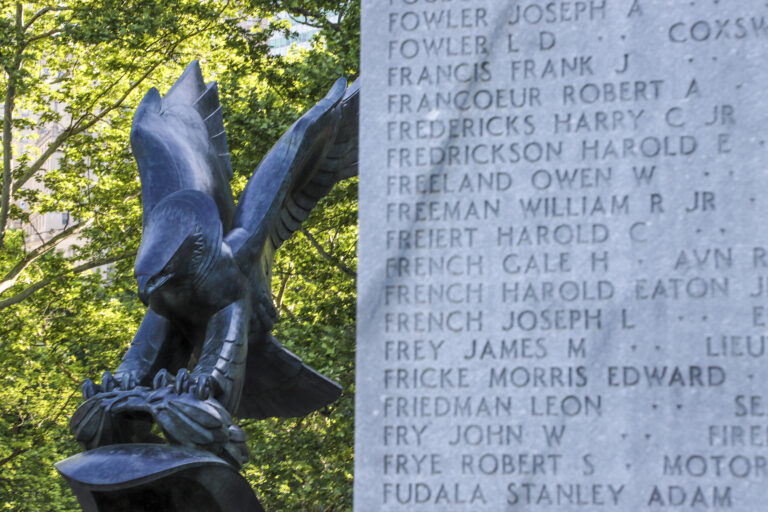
{"x":280,"y":45}
{"x":42,"y":227}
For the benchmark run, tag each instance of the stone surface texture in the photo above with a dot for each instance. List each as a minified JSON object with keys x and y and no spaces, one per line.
{"x":563,"y":254}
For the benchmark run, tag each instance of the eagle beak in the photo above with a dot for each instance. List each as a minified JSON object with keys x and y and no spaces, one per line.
{"x":148,"y":285}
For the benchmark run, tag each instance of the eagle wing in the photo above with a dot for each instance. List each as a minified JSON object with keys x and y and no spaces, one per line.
{"x":316,"y":152}
{"x":319,"y":150}
{"x":179,"y":143}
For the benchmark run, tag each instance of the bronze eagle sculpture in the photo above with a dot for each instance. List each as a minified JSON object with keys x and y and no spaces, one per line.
{"x":204,"y":350}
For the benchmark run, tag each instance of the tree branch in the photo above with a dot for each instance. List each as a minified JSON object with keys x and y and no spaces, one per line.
{"x":32,"y":289}
{"x":283,"y":286}
{"x":10,"y":98}
{"x":10,"y":278}
{"x":322,"y":19}
{"x":49,"y":33}
{"x":77,"y":128}
{"x":287,"y":311}
{"x":41,"y":13}
{"x":338,"y":264}
{"x":39,"y":438}
{"x":16,"y":452}
{"x":38,"y":164}
{"x":37,"y":233}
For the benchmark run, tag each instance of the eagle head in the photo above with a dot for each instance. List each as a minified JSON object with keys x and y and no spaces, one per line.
{"x":181,"y":239}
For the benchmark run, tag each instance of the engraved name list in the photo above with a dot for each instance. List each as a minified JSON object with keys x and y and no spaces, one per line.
{"x":563,"y":261}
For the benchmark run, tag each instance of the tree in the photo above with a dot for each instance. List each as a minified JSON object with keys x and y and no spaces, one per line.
{"x":84,"y":65}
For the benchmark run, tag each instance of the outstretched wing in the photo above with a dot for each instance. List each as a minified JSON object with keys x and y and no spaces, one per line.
{"x":179,"y":143}
{"x":316,"y":152}
{"x":319,"y":150}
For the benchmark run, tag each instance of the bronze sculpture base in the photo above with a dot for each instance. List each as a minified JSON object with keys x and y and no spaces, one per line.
{"x":153,"y":477}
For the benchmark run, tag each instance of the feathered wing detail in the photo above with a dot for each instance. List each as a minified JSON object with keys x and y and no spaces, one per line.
{"x":287,"y":169}
{"x":179,"y":143}
{"x":319,"y":150}
{"x":278,"y":383}
{"x":340,"y":162}
{"x":210,"y":110}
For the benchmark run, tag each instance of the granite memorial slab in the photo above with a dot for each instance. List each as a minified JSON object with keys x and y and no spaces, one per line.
{"x":563,"y":260}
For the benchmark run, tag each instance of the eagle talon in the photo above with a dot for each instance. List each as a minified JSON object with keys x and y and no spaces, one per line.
{"x":90,"y":389}
{"x":161,"y":380}
{"x":108,"y":382}
{"x":203,"y":389}
{"x":182,"y":381}
{"x":127,"y":381}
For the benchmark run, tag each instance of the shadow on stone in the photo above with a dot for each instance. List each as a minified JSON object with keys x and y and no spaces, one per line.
{"x":147,"y":477}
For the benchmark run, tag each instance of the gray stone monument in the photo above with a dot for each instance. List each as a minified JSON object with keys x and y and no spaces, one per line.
{"x":563,"y":274}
